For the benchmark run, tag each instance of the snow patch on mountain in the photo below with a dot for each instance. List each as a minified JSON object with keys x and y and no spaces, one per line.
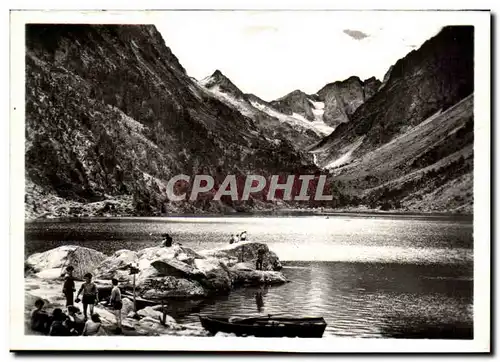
{"x":242,"y":106}
{"x":318,"y":110}
{"x":295,"y":119}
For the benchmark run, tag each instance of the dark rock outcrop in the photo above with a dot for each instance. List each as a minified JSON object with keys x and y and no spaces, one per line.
{"x":386,"y":77}
{"x":342,"y":98}
{"x":370,"y":87}
{"x":295,"y":102}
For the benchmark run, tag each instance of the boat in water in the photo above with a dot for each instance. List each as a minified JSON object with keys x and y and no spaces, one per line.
{"x":310,"y":327}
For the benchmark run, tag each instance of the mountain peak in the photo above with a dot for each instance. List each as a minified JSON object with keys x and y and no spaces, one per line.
{"x":223,"y":83}
{"x":295,"y":102}
{"x":218,"y":74}
{"x":292,"y":94}
{"x":372,"y":79}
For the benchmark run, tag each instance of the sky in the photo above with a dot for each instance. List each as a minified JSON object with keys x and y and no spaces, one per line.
{"x":273,"y":53}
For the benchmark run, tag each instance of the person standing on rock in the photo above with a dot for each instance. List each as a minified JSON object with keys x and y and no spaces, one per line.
{"x":116,"y":303}
{"x":69,"y":286}
{"x":90,"y":296}
{"x":260,"y":259}
{"x":243,"y":237}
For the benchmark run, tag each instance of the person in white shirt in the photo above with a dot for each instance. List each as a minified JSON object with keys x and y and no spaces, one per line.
{"x":243,"y":236}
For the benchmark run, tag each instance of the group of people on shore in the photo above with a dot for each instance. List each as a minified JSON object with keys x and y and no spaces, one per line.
{"x":74,"y":323}
{"x":238,"y":237}
{"x":235,"y":238}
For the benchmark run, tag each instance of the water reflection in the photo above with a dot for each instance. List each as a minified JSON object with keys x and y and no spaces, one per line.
{"x":363,"y":300}
{"x":259,"y":300}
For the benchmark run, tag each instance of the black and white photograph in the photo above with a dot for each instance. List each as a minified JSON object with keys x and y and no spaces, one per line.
{"x":251,"y":180}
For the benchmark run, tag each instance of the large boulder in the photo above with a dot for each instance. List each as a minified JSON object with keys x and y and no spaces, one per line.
{"x":163,"y":272}
{"x":151,"y":327}
{"x":176,"y":269}
{"x":216,"y":275}
{"x":127,"y":306}
{"x":175,"y":261}
{"x":246,"y":250}
{"x":158,"y":288}
{"x":176,"y":251}
{"x":148,"y":326}
{"x":243,"y":275}
{"x":51,"y":263}
{"x":156,"y":315}
{"x":116,"y":266}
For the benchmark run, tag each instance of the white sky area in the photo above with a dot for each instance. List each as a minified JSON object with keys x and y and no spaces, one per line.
{"x":273,"y":53}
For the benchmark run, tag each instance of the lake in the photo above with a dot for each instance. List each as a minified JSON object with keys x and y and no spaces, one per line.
{"x":367,"y":275}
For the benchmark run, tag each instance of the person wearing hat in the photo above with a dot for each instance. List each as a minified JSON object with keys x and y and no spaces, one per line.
{"x":69,"y":286}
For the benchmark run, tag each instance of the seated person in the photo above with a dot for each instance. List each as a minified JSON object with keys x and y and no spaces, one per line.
{"x":76,"y":321}
{"x":40,"y":320}
{"x":58,"y":326}
{"x":92,"y":326}
{"x":166,"y":241}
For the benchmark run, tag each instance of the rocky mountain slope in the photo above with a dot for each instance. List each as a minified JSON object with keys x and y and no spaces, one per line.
{"x":410,"y":145}
{"x":274,"y":124}
{"x":332,"y":105}
{"x":111,"y":116}
{"x":342,"y":98}
{"x":295,"y":102}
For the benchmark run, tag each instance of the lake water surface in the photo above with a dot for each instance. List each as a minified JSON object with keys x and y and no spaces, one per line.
{"x":368,"y":276}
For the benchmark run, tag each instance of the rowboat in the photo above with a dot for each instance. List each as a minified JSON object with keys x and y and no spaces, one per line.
{"x":311,"y":327}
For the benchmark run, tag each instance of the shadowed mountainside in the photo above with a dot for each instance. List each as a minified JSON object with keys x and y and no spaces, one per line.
{"x":111,"y":116}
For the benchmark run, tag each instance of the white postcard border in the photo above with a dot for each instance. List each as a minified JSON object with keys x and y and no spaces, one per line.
{"x":481,"y":341}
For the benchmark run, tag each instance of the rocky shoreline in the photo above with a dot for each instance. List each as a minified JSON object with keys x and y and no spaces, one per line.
{"x":165,"y":274}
